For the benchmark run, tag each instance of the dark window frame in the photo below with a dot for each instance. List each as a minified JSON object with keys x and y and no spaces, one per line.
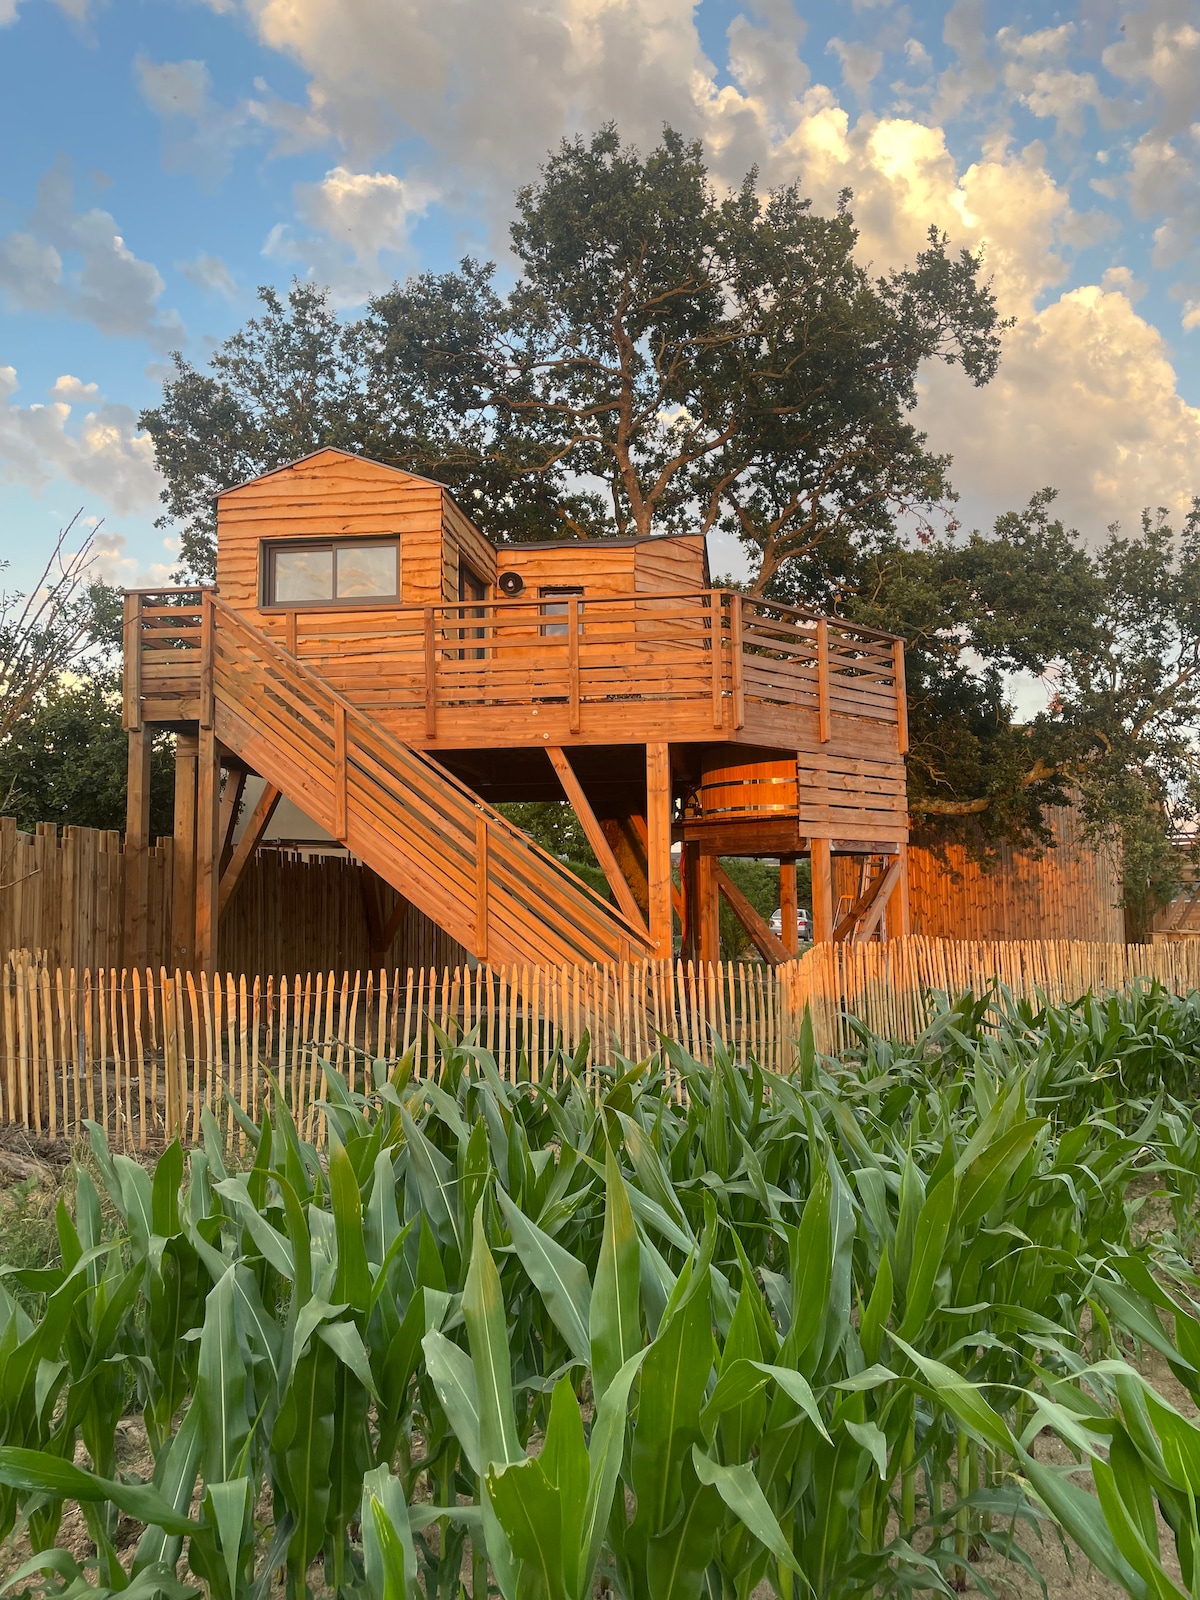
{"x":270,"y":548}
{"x":468,"y":578}
{"x":558,"y":591}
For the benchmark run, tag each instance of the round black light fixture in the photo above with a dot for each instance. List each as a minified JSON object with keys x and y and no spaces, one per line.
{"x":510,"y":583}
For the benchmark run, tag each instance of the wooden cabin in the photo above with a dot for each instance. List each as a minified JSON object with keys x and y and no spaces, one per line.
{"x":395,"y":674}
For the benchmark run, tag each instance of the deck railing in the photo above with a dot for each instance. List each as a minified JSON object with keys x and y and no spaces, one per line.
{"x":717,"y":649}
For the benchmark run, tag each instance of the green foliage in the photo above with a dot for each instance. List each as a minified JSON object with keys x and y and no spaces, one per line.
{"x":65,"y":760}
{"x":686,"y":1345}
{"x":1115,"y":629}
{"x":660,"y":341}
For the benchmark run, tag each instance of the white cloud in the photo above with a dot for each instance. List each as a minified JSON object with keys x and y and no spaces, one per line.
{"x":358,"y":230}
{"x":76,"y":263}
{"x":1037,"y":45}
{"x":1086,"y":397}
{"x":1159,"y":50}
{"x":210,"y":274}
{"x":74,"y":389}
{"x":114,"y":565}
{"x":174,"y":88}
{"x":75,"y":9}
{"x":101,"y":450}
{"x":1086,"y":400}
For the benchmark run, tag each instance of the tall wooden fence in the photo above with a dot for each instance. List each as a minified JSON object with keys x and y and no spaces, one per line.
{"x":142,"y":1053}
{"x":63,"y":894}
{"x":1071,"y":891}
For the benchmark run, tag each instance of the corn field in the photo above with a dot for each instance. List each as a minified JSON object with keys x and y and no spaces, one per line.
{"x":479,"y":1337}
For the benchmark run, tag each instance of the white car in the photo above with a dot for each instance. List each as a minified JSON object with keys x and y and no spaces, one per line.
{"x":803,"y":922}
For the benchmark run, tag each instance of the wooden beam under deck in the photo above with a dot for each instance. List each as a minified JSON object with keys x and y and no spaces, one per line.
{"x":252,"y":836}
{"x":137,"y":844}
{"x":765,"y":942}
{"x":617,"y":881}
{"x":183,"y":858}
{"x":208,"y":849}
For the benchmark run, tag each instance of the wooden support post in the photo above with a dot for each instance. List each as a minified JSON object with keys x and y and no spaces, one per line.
{"x":132,"y":642}
{"x":658,"y":848}
{"x":603,"y":851}
{"x":430,"y":676}
{"x":183,"y":854}
{"x":290,"y":632}
{"x":626,"y":836}
{"x":573,"y":663}
{"x":252,"y":833}
{"x":716,"y":635}
{"x":822,"y":887}
{"x":823,"y":720}
{"x":887,"y":886}
{"x":708,"y":911}
{"x":689,"y":884}
{"x":789,"y":905}
{"x":898,"y":922}
{"x":207,"y":649}
{"x":231,"y":807}
{"x":208,"y":849}
{"x":901,"y":695}
{"x":735,"y":650}
{"x":137,"y":847}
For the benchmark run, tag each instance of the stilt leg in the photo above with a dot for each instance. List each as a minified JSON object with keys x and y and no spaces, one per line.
{"x":208,"y":849}
{"x":789,"y":905}
{"x":658,"y":848}
{"x":137,"y":846}
{"x":822,"y":887}
{"x":183,"y":863}
{"x":708,"y":914}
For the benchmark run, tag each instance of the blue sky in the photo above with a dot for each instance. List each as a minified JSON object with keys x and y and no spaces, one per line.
{"x":161,"y":158}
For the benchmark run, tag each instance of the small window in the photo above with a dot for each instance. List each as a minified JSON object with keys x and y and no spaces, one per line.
{"x":554,"y":604}
{"x":353,"y":570}
{"x":472,"y":593}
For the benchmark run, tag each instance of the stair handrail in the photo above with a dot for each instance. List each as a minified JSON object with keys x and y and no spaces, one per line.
{"x":216,"y":608}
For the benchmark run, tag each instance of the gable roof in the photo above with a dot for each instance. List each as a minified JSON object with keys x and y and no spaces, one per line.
{"x":317,"y":455}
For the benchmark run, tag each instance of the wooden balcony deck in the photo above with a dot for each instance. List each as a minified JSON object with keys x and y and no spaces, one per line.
{"x":686,"y":667}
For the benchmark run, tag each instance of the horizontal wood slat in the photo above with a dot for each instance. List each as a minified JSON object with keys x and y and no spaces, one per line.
{"x":682,"y":654}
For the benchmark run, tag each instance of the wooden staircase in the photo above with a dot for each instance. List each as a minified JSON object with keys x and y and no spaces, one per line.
{"x":422,"y":830}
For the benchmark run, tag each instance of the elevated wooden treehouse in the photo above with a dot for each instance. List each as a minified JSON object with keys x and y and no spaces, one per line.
{"x":380,"y":663}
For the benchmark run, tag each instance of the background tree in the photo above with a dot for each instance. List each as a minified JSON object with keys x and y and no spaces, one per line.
{"x":65,"y":760}
{"x":63,"y":749}
{"x":45,"y":632}
{"x":1115,"y":632}
{"x":666,"y":359}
